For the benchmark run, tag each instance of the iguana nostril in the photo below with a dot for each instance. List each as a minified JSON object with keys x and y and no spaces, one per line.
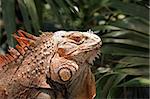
{"x":65,"y":74}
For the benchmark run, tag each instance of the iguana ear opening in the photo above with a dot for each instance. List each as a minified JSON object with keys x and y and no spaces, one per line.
{"x":65,"y":74}
{"x":62,"y":70}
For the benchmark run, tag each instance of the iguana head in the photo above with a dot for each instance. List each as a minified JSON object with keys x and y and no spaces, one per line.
{"x":78,"y":46}
{"x":69,"y":66}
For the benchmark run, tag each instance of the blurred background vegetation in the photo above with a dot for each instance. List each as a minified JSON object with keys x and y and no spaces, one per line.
{"x":123,"y":69}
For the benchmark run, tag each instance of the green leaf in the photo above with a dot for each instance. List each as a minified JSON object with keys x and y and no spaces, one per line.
{"x":63,"y":5}
{"x":107,"y":86}
{"x":55,"y":11}
{"x":40,"y":10}
{"x":25,"y":15}
{"x":124,"y":51}
{"x":132,"y":62}
{"x":106,"y":82}
{"x":136,"y":82}
{"x":116,"y":34}
{"x":113,"y":90}
{"x":131,"y":9}
{"x":133,"y":24}
{"x":33,"y":14}
{"x":105,"y":27}
{"x":110,"y":82}
{"x":127,"y":34}
{"x":113,"y":93}
{"x":0,"y":35}
{"x":134,"y":71}
{"x":8,"y":12}
{"x":103,"y":85}
{"x":126,"y":41}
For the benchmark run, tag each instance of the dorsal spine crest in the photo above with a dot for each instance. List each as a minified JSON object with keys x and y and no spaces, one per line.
{"x":25,"y":40}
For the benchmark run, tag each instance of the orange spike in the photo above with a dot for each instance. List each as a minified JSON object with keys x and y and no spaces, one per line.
{"x":20,"y":49}
{"x":19,"y":40}
{"x":20,"y":33}
{"x":2,"y":63}
{"x":13,"y":55}
{"x":9,"y":57}
{"x":27,"y":41}
{"x":4,"y":59}
{"x":30,"y":36}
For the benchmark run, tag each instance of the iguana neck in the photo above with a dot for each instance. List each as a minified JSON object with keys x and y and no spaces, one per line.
{"x":84,"y":87}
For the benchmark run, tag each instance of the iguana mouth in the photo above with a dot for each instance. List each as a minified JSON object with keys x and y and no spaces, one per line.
{"x":87,"y":50}
{"x":89,"y":54}
{"x":93,"y":55}
{"x":93,"y":47}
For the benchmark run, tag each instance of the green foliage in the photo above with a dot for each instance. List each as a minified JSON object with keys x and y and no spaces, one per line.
{"x":9,"y":13}
{"x":123,"y":26}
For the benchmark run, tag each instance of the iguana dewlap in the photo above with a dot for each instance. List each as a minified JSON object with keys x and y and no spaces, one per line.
{"x":51,"y":66}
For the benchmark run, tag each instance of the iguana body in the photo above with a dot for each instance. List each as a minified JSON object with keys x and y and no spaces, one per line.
{"x":52,"y":66}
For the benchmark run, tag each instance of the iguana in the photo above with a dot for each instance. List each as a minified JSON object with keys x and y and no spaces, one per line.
{"x":51,"y":66}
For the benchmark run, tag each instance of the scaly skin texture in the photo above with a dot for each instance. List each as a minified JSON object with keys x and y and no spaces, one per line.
{"x":52,"y":66}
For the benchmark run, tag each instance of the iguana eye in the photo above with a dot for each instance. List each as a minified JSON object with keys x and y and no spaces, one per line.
{"x":76,"y":37}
